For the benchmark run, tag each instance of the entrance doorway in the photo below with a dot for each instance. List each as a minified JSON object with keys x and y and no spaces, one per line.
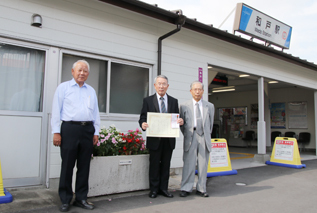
{"x":240,"y":91}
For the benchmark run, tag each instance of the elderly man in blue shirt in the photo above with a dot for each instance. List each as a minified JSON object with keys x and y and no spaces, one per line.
{"x":75,"y":104}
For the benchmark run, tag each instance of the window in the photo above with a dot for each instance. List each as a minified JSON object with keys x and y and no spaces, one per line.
{"x":22,"y":77}
{"x":128,"y":84}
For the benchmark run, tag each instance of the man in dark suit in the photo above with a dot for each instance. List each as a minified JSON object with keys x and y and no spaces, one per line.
{"x":161,"y":149}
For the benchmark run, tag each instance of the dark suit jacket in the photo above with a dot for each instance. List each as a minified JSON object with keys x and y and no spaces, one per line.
{"x":150,"y":104}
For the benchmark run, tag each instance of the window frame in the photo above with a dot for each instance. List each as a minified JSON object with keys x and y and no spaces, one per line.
{"x":107,"y":115}
{"x":39,"y":47}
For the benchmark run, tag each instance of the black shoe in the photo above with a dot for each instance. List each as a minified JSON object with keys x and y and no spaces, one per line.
{"x":153,"y":194}
{"x":202,"y":194}
{"x":64,"y":207}
{"x":184,"y":194}
{"x":84,"y":204}
{"x":165,"y":193}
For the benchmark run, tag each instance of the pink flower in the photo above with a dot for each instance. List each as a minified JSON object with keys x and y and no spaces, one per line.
{"x":102,"y":136}
{"x":102,"y":140}
{"x":130,"y":131}
{"x":107,"y":137}
{"x":98,"y":144}
{"x":114,"y":141}
{"x":137,"y":130}
{"x":136,"y":133}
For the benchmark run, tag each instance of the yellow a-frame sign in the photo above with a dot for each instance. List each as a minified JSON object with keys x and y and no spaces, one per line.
{"x":285,"y":153}
{"x":5,"y":196}
{"x":219,"y":159}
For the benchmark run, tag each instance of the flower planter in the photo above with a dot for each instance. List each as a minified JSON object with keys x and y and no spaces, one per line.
{"x":117,"y":174}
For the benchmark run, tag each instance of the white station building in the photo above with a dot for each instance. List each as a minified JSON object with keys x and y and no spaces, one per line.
{"x":40,"y":39}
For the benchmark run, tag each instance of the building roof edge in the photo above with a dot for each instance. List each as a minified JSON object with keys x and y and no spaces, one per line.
{"x":168,"y":16}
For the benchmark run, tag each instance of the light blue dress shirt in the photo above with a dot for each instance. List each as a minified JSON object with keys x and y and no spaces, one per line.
{"x":74,"y":103}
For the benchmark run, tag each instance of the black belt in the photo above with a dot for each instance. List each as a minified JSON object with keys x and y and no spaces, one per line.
{"x":194,"y":128}
{"x":82,"y":123}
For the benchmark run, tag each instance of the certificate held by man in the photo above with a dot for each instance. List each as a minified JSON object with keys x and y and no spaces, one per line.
{"x":162,"y":125}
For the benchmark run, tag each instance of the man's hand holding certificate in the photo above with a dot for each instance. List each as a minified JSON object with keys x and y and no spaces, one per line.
{"x":162,"y":125}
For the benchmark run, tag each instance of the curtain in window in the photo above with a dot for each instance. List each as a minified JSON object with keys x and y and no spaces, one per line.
{"x":21,"y":82}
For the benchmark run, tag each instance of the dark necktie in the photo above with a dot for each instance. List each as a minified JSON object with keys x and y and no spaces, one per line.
{"x":199,"y":122}
{"x":163,"y":108}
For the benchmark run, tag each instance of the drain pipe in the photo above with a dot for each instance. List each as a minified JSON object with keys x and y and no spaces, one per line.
{"x":180,"y":21}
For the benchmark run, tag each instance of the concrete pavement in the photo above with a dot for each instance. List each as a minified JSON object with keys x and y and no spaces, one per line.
{"x":257,"y":189}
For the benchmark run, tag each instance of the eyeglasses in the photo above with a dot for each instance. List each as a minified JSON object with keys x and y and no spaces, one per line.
{"x":197,"y":89}
{"x":161,"y":84}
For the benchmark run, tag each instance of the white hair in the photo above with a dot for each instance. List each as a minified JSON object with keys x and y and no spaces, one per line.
{"x":82,"y":61}
{"x":197,"y":82}
{"x":160,"y":76}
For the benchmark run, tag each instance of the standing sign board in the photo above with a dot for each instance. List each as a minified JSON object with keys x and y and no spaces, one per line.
{"x":259,"y":25}
{"x":219,"y":159}
{"x":5,"y":196}
{"x":285,"y":153}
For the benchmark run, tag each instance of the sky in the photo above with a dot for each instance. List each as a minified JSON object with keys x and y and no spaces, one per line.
{"x":300,"y":15}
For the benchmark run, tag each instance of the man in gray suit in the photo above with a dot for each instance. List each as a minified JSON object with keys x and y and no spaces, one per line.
{"x":198,"y":116}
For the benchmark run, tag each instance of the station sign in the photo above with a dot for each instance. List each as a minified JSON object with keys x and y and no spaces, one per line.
{"x":254,"y":23}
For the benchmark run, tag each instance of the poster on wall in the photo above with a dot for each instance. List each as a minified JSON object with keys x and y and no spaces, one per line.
{"x":254,"y":116}
{"x":297,"y":115}
{"x":278,"y":116}
{"x":233,"y":120}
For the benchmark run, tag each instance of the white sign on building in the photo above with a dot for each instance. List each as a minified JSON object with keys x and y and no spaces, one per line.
{"x":259,"y":25}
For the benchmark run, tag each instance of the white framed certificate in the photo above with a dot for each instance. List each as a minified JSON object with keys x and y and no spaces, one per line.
{"x":162,"y":125}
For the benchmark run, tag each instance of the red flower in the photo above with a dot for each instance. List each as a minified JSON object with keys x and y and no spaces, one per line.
{"x":137,"y":140}
{"x":124,"y":148}
{"x":129,"y":140}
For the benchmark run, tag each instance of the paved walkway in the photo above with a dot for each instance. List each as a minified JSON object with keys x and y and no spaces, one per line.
{"x":258,"y":189}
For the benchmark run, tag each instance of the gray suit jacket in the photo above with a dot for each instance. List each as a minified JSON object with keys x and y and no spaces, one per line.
{"x":187,"y":113}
